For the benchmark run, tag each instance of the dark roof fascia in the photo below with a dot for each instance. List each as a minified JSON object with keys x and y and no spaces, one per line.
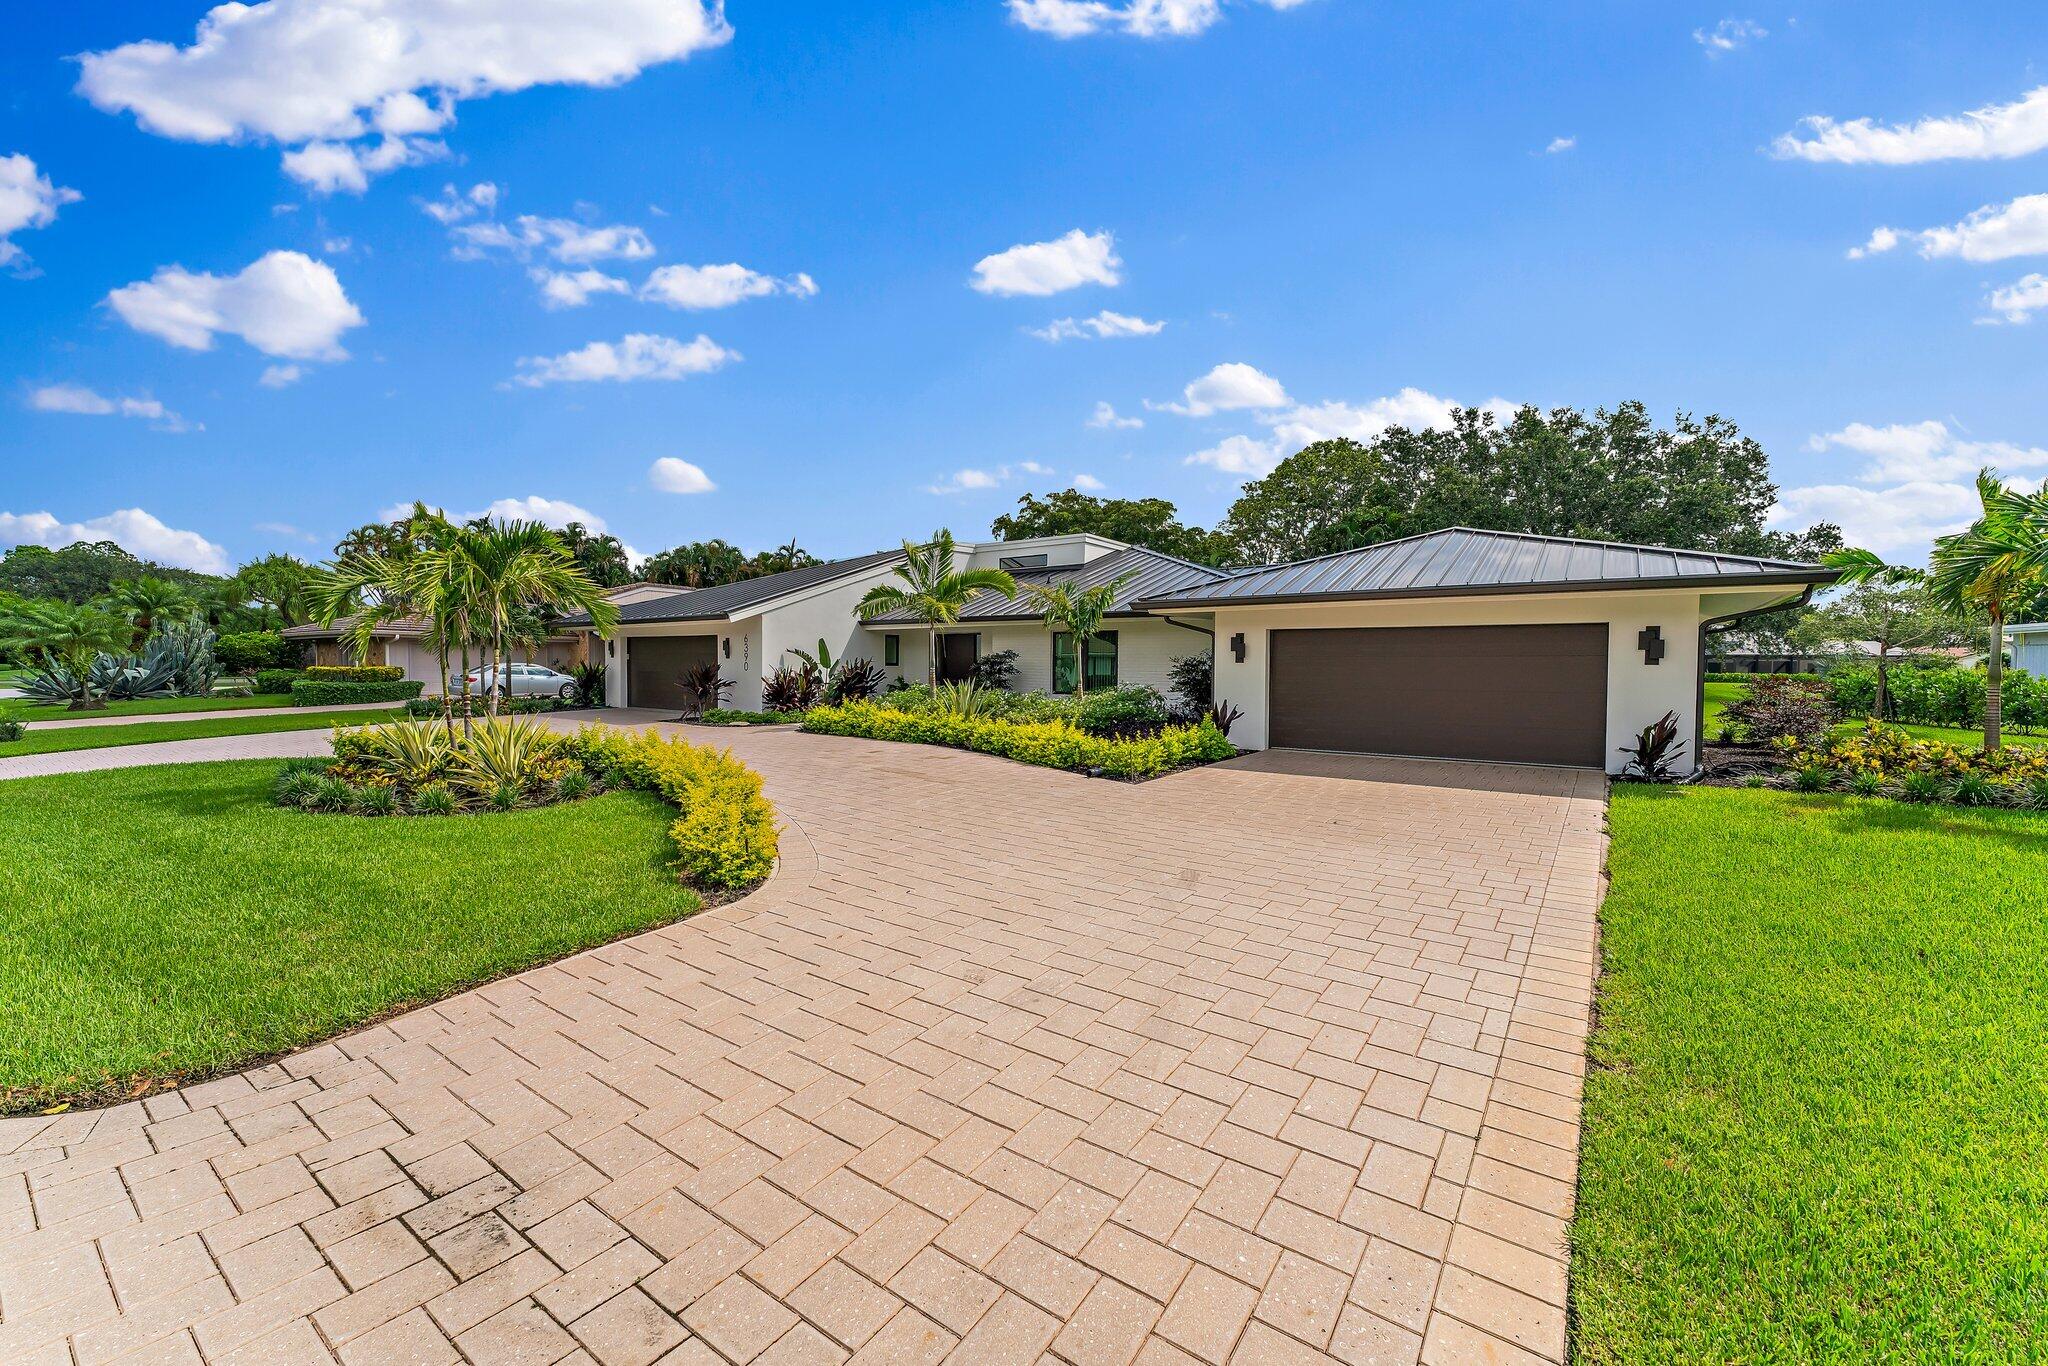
{"x":1701,"y":582}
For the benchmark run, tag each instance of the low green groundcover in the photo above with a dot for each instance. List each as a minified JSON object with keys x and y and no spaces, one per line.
{"x":24,"y":709}
{"x":1817,"y":1116}
{"x":159,"y":924}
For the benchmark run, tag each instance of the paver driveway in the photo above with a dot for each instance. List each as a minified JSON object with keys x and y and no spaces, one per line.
{"x":1277,"y":1060}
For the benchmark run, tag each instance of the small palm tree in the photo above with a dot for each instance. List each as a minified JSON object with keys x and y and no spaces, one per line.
{"x":72,"y":638}
{"x":150,"y":602}
{"x":507,"y":568}
{"x":1079,"y":612}
{"x":932,"y":592}
{"x":1993,"y":567}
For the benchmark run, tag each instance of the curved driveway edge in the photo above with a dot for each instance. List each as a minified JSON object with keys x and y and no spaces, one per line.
{"x":1275,"y":1060}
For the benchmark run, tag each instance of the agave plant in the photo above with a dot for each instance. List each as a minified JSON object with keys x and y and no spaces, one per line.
{"x":410,"y":753}
{"x":500,"y":753}
{"x":185,"y":648}
{"x":124,"y":678}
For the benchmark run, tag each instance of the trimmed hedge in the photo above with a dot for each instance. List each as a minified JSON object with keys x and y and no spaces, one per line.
{"x":355,"y":673}
{"x":427,"y":708}
{"x":1941,"y":696}
{"x":726,"y":835}
{"x":1049,"y":744}
{"x":277,"y":680}
{"x":246,"y":652}
{"x":315,"y":692}
{"x":1751,"y":678}
{"x":728,"y":716}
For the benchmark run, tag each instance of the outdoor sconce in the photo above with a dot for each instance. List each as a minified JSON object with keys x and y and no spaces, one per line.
{"x":611,"y":649}
{"x":1237,"y":647}
{"x":1650,"y":640}
{"x":726,"y":642}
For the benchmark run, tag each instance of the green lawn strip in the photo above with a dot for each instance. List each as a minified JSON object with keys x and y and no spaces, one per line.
{"x":1720,"y":694}
{"x":155,"y":732}
{"x":21,"y":709}
{"x":167,"y":923}
{"x":1817,"y":1116}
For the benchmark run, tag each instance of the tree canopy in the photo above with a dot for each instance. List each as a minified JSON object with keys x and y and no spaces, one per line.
{"x":1150,"y":522}
{"x":707,"y":564}
{"x":81,"y":571}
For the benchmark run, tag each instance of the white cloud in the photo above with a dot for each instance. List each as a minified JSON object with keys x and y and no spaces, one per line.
{"x":1138,"y":18}
{"x":287,"y":529}
{"x":977,"y":480}
{"x":671,"y":475}
{"x":28,"y":199}
{"x":1917,"y":481}
{"x":1994,"y":132}
{"x":1106,"y":416}
{"x":1239,"y":455}
{"x":132,"y":529}
{"x":1922,"y":452}
{"x":1995,"y":232}
{"x":555,"y":512}
{"x":1088,"y":483}
{"x":1227,"y":388}
{"x":334,"y":167}
{"x":1041,"y":268}
{"x":77,"y":399}
{"x":1033,"y":467}
{"x":283,"y":304}
{"x":1556,"y":145}
{"x":638,"y":355}
{"x":1103,"y":324}
{"x":574,"y":288}
{"x":1300,"y":425}
{"x":1729,"y":35}
{"x":1904,"y":517}
{"x":281,"y":376}
{"x":562,"y":238}
{"x":2020,"y":300}
{"x":363,"y":80}
{"x":700,"y":287}
{"x":453,"y":206}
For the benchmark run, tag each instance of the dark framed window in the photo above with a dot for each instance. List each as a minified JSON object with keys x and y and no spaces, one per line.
{"x":892,"y":649}
{"x":1101,"y":661}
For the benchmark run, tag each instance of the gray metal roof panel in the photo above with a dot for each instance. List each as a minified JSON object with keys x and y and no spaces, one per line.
{"x":720,"y":603}
{"x":1153,"y":574}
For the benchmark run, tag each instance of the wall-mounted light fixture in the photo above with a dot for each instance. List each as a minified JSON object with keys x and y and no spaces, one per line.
{"x":1237,"y":647}
{"x":611,"y":649}
{"x":1650,"y":640}
{"x":726,"y":642}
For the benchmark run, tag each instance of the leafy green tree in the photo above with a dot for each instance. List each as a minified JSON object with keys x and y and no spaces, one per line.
{"x":149,"y":602}
{"x":79,"y":573}
{"x":779,"y":560}
{"x":933,"y":591}
{"x":699,"y":564}
{"x":1896,"y":619}
{"x":1079,"y":612}
{"x":279,"y":586}
{"x":72,"y":637}
{"x":1150,"y":522}
{"x":602,"y":558}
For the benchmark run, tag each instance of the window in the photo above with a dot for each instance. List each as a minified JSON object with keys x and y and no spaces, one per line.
{"x":892,"y":649}
{"x":1021,"y":562}
{"x":1101,"y":661}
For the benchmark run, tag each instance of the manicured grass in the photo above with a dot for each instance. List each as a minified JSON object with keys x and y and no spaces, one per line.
{"x":168,"y":922}
{"x":38,"y":741}
{"x":1720,"y":694}
{"x":1817,"y":1120}
{"x":21,"y":709}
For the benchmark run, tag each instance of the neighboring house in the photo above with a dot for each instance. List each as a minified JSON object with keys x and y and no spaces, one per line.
{"x":2028,"y":644}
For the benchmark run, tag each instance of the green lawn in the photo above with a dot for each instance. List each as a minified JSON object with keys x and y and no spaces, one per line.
{"x":21,"y":709}
{"x":168,"y":922}
{"x":1720,"y":694}
{"x":40,"y":741}
{"x":1817,"y":1120}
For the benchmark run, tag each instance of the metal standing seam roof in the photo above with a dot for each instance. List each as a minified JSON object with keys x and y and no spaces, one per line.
{"x":720,"y":603}
{"x":1465,"y":561}
{"x":1153,"y":574}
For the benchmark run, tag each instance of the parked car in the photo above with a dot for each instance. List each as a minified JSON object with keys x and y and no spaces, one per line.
{"x":528,"y":680}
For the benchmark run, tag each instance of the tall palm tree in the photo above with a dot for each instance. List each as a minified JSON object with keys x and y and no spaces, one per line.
{"x":1995,"y":566}
{"x":507,"y":568}
{"x":150,"y":602}
{"x":1079,"y":612}
{"x":932,"y":592}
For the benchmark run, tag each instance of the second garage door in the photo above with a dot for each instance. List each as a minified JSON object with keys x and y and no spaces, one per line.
{"x":655,"y":666}
{"x":1516,"y":694}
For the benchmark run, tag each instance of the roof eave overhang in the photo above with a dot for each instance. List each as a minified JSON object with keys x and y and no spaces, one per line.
{"x":1498,"y":590}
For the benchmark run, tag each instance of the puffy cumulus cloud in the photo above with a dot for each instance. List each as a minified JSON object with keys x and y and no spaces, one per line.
{"x":28,"y":199}
{"x":1041,"y":268}
{"x":702,"y":287}
{"x":84,"y":402}
{"x":281,"y":376}
{"x":1107,"y":418}
{"x":1103,"y":324}
{"x":1246,"y":455}
{"x":564,"y":239}
{"x":1729,"y":35}
{"x":2019,"y":301}
{"x":132,"y":529}
{"x":1916,"y":481}
{"x":1995,"y":132}
{"x":1922,"y":452}
{"x":575,"y":288}
{"x":638,"y":355}
{"x":554,"y":512}
{"x":980,"y":480}
{"x":358,"y":86}
{"x":672,"y":475}
{"x":455,"y":207}
{"x":1296,"y":425}
{"x":1137,"y":18}
{"x":1228,"y":388}
{"x":1905,"y":517}
{"x":1088,"y":483}
{"x":283,"y":304}
{"x":1995,"y":232}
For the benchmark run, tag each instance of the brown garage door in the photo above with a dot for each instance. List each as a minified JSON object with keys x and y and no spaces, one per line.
{"x":655,"y":667}
{"x":1523,"y":694}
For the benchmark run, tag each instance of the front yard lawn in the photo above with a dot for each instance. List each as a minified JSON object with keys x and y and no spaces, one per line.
{"x":22,"y":709}
{"x":1817,"y":1117}
{"x":1720,"y":695}
{"x":38,"y":741}
{"x":160,"y":924}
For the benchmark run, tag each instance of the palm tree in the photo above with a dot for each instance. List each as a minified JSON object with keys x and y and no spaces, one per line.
{"x":505,"y":569}
{"x":69,"y":637}
{"x":1995,"y":566}
{"x":933,"y":592}
{"x":1078,"y":612}
{"x":150,"y":602}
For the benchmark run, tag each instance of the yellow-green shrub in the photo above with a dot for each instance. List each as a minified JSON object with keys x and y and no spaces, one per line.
{"x":726,"y":835}
{"x":1050,"y":744}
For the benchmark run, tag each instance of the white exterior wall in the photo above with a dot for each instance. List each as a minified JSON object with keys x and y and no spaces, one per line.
{"x":2029,"y":651}
{"x":1637,"y":693}
{"x":1145,"y":650}
{"x":824,"y":613}
{"x":743,"y":668}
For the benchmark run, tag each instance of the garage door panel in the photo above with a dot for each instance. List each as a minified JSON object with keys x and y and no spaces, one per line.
{"x":1524,"y":694}
{"x":655,"y":666}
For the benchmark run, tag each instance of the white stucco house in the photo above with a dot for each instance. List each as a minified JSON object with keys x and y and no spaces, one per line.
{"x":1459,"y":644}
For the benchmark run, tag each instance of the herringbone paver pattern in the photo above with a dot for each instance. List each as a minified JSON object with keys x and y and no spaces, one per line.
{"x":1270,"y":1062}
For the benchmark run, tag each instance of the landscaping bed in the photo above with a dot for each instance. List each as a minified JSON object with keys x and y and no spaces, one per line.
{"x":1816,"y":1124}
{"x":729,"y":716}
{"x":163,"y":924}
{"x":40,"y":741}
{"x":1048,"y":743}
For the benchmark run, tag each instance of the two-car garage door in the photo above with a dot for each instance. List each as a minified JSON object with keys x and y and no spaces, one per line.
{"x":1517,"y":694}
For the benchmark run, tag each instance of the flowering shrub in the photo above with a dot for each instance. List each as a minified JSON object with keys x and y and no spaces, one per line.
{"x":1880,"y":760}
{"x":1050,"y":744}
{"x":726,"y":834}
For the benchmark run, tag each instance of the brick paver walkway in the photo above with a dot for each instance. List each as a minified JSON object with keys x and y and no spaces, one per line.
{"x":1274,"y":1061}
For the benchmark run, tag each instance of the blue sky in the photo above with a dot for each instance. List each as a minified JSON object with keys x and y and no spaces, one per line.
{"x":1361,"y":211}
